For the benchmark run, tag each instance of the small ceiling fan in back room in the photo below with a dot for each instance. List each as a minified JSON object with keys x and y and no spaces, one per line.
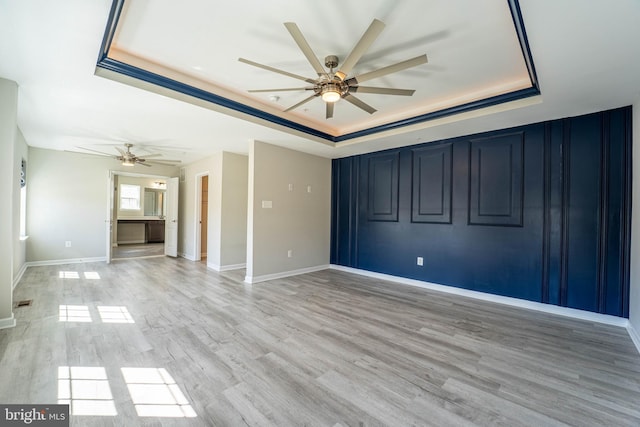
{"x":332,"y":85}
{"x":129,"y":159}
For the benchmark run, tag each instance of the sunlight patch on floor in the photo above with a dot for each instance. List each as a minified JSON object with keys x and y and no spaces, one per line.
{"x":155,"y":393}
{"x":68,"y":275}
{"x":115,"y":314}
{"x":86,"y":389}
{"x":74,"y":313}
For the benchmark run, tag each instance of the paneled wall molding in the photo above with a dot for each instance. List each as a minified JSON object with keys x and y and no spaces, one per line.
{"x":540,"y":212}
{"x":496,"y":193}
{"x":432,"y":183}
{"x":383,"y":187}
{"x":603,"y":212}
{"x":546,"y":207}
{"x":565,"y":153}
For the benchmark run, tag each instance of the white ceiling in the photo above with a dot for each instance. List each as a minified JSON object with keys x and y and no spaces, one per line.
{"x":586,"y":54}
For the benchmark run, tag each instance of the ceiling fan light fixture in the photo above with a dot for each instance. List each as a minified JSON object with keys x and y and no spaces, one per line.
{"x":331,"y":93}
{"x":128,"y":162}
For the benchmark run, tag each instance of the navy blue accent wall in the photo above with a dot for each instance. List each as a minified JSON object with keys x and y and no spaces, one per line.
{"x":540,"y":212}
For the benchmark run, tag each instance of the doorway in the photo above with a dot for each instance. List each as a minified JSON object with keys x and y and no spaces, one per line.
{"x":142,"y":221}
{"x":202,"y":201}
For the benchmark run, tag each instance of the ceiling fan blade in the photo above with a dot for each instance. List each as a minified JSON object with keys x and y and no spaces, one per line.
{"x":143,"y":163}
{"x":149,"y":156}
{"x":304,"y":101}
{"x":381,"y":90}
{"x":367,"y":39}
{"x":330,"y":106}
{"x":305,"y":48}
{"x":358,"y":103}
{"x":120,"y":150}
{"x":95,"y":151}
{"x":280,"y":90}
{"x":409,"y":63}
{"x":167,"y":161}
{"x":275,"y":70}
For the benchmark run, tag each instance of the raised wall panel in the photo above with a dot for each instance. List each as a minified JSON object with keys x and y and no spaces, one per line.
{"x":582,"y":146}
{"x":495,"y":180}
{"x":344,"y":205}
{"x":540,"y":212}
{"x":382,"y":191}
{"x":431,"y":194}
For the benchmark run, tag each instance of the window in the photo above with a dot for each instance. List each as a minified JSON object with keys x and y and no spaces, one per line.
{"x":129,"y":197}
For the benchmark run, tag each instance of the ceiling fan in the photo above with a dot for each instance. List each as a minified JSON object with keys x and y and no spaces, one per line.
{"x":129,"y":159}
{"x":332,"y":86}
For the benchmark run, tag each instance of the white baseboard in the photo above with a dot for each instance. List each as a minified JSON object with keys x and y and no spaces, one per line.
{"x":635,"y":337}
{"x":18,"y":277}
{"x":264,"y":278}
{"x":187,"y":256}
{"x":514,"y":302}
{"x":229,"y":267}
{"x":66,"y":261}
{"x":9,"y":322}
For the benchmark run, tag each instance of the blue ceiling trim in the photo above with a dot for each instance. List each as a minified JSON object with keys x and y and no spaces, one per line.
{"x":518,"y":23}
{"x":475,"y":105}
{"x":107,"y":63}
{"x":158,"y":80}
{"x":112,"y":23}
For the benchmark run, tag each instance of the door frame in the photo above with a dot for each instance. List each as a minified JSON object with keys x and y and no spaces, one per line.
{"x":198,"y":215}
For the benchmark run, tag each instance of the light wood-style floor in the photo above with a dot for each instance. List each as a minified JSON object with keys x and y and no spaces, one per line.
{"x":137,"y":250}
{"x":322,"y":349}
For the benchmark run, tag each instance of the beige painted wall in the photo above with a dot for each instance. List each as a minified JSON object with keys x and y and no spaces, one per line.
{"x":298,"y":221}
{"x":233,"y":224}
{"x":226,"y":220}
{"x":8,"y":130}
{"x":68,"y":201}
{"x":21,"y":151}
{"x":188,"y":224}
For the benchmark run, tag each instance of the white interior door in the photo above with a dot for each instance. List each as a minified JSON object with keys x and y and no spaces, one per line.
{"x":171,"y":218}
{"x":109,"y":220}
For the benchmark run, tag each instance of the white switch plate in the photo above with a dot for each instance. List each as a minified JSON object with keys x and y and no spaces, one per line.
{"x":308,"y":189}
{"x":289,"y":253}
{"x":67,"y":244}
{"x":290,"y":187}
{"x":420,"y":261}
{"x":267,"y":204}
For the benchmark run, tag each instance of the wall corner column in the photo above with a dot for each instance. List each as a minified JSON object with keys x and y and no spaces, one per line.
{"x":8,"y":129}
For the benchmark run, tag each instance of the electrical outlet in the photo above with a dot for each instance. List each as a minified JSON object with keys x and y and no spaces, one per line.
{"x":420,"y":261}
{"x":67,"y":244}
{"x":290,"y":253}
{"x":290,"y":187}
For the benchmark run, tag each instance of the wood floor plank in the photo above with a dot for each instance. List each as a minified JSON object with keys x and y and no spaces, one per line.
{"x":327,"y":348}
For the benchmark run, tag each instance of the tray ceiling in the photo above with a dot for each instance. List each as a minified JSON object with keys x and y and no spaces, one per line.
{"x":477,"y":52}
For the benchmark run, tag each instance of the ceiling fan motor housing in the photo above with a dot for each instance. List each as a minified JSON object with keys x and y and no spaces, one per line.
{"x":331,"y":62}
